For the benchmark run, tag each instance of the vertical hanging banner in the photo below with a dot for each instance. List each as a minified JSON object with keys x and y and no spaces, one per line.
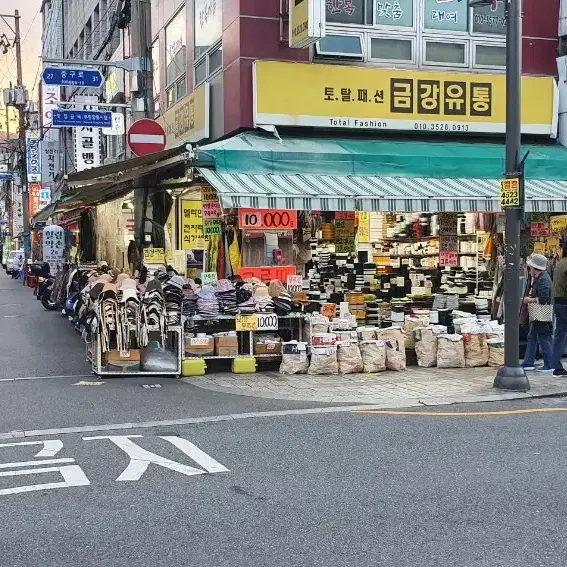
{"x":50,"y":98}
{"x":34,"y":198}
{"x":192,"y":234}
{"x":33,"y":157}
{"x":87,"y":139}
{"x":18,"y":210}
{"x":306,"y":22}
{"x":211,"y":205}
{"x":54,"y":247}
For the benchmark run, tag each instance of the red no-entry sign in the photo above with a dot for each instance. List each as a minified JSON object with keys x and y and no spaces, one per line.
{"x":146,"y":137}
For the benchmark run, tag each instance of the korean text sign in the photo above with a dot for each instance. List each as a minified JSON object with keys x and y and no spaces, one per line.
{"x":192,"y":225}
{"x":302,"y":94}
{"x":267,"y":219}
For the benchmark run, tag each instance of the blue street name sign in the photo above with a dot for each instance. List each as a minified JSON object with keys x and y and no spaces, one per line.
{"x":84,"y":118}
{"x":5,"y":177}
{"x":65,"y":77}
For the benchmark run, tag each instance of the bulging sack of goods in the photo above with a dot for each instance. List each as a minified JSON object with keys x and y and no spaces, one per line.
{"x":294,"y":358}
{"x":476,"y":350}
{"x":450,"y":351}
{"x":495,"y":352}
{"x":413,"y":322}
{"x":366,"y":333}
{"x":396,"y":333}
{"x":426,"y":347}
{"x":373,"y":356}
{"x":395,"y":355}
{"x":324,"y":360}
{"x":319,"y":324}
{"x":349,"y":358}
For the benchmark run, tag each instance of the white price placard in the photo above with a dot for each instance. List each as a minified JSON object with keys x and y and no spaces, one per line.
{"x":267,"y":322}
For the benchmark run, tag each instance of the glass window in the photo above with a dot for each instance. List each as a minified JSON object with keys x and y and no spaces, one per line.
{"x":170,"y":96}
{"x":394,"y":13}
{"x":156,"y":108}
{"x":181,"y":89}
{"x":156,"y":67}
{"x":490,"y":55}
{"x":437,"y":52}
{"x":215,"y":60}
{"x":490,"y":19}
{"x":176,"y":48}
{"x":340,"y":46}
{"x":208,"y":24}
{"x":397,"y":49}
{"x":201,"y":72}
{"x":349,"y":11}
{"x":450,"y":15}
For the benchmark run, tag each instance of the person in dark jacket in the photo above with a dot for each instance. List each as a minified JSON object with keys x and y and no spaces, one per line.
{"x":538,"y":290}
{"x":559,"y":294}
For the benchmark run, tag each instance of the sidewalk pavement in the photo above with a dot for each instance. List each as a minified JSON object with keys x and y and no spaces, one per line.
{"x":413,"y":387}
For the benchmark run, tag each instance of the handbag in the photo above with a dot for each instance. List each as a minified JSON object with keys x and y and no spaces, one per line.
{"x":539,"y":312}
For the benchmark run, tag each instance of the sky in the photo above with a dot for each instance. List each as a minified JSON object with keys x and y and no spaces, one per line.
{"x":30,"y":29}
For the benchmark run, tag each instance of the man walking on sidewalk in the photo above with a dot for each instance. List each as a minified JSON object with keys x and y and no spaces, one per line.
{"x":559,"y":293}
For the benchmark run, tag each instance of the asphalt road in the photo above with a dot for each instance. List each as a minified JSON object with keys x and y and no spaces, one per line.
{"x":321,"y":489}
{"x":330,"y":489}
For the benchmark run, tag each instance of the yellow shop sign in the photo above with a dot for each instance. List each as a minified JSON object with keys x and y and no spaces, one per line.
{"x":188,"y":120}
{"x":304,"y":94}
{"x":306,"y":22}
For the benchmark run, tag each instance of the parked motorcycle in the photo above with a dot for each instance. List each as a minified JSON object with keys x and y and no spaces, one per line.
{"x":41,"y":271}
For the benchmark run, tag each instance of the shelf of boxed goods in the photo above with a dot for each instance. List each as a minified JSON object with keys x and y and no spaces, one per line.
{"x":198,"y":318}
{"x":96,"y":357}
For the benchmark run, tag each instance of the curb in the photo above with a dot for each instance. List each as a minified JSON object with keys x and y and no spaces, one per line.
{"x":560,"y":390}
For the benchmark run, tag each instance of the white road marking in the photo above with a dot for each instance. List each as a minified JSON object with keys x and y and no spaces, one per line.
{"x":197,"y":420}
{"x":35,"y":463}
{"x":140,"y":459}
{"x":44,"y":377}
{"x":50,"y":447}
{"x":72,"y":475}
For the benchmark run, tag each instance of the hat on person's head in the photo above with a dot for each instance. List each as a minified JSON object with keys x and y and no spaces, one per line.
{"x":537,"y":261}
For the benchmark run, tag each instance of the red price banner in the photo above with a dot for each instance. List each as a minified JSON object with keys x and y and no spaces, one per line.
{"x":448,"y":259}
{"x":267,"y":219}
{"x":268,"y":273}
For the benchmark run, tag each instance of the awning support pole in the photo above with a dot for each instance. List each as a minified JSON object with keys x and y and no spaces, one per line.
{"x":512,"y":376}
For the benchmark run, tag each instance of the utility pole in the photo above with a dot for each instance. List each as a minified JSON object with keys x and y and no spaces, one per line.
{"x":512,"y":376}
{"x":18,"y":99}
{"x":22,"y":136}
{"x":142,"y":103}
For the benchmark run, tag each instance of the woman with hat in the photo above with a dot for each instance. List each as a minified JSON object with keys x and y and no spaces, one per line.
{"x":538,"y":291}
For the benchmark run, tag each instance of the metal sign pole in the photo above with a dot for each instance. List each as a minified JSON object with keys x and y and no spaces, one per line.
{"x":512,"y":376}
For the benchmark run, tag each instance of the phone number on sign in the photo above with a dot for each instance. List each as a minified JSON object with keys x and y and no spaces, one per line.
{"x":441,"y":127}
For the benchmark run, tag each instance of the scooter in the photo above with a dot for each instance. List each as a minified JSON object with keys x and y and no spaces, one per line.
{"x":45,"y":280}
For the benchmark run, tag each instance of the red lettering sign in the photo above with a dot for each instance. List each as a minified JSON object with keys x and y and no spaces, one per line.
{"x":267,"y":273}
{"x":267,"y":219}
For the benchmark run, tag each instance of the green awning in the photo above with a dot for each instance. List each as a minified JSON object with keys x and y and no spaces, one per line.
{"x":262,"y":171}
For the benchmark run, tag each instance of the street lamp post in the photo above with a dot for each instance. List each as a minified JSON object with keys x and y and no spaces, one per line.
{"x":512,"y":376}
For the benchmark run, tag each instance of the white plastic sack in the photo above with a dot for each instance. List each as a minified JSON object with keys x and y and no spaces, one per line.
{"x":426,"y":347}
{"x":395,"y":355}
{"x":349,"y":358}
{"x":373,"y":356}
{"x":294,"y":363}
{"x":412,"y":322}
{"x":450,"y":351}
{"x":476,"y":350}
{"x":496,"y":352}
{"x":323,"y":361}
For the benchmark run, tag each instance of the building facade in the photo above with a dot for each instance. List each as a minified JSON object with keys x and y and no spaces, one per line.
{"x":218,"y":41}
